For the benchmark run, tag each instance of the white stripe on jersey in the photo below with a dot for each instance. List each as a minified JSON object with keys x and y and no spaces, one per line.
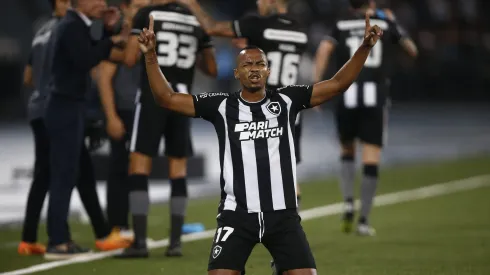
{"x":285,"y":36}
{"x":170,"y":16}
{"x":360,"y":24}
{"x":237,"y":28}
{"x":230,"y":201}
{"x":289,"y":103}
{"x":249,"y":164}
{"x":277,"y":188}
{"x":134,"y":136}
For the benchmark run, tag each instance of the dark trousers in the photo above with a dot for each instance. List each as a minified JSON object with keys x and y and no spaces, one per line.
{"x":117,"y":183}
{"x":70,"y":162}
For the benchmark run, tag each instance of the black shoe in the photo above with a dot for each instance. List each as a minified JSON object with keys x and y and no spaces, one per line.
{"x":72,"y":250}
{"x":347,"y":222}
{"x":174,"y":251}
{"x":134,"y":252}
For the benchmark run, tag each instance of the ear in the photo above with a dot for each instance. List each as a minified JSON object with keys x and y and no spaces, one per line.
{"x":235,"y":72}
{"x":268,"y":71}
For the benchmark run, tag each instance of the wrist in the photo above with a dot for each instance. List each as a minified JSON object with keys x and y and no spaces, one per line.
{"x":151,"y":57}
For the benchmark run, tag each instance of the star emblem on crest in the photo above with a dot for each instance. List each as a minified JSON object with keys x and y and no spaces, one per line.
{"x":216,"y":251}
{"x":274,"y":108}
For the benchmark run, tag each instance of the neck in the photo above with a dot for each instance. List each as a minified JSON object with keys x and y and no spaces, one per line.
{"x":279,"y":9}
{"x":252,"y":96}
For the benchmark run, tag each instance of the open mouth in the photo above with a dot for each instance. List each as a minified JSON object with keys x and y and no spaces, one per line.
{"x":254,"y":78}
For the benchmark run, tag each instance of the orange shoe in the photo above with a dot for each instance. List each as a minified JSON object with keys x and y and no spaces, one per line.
{"x":26,"y":248}
{"x":114,"y":241}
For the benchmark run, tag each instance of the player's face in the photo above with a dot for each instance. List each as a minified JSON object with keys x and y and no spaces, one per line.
{"x":264,"y":7}
{"x":62,"y":6}
{"x":93,"y":8}
{"x":252,"y":70}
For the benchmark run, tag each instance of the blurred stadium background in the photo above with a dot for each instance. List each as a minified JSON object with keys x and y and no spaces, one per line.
{"x":440,"y":107}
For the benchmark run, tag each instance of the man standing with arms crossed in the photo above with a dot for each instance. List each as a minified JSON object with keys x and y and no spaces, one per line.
{"x":74,"y":55}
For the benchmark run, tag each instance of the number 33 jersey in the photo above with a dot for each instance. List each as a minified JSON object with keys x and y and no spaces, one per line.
{"x":282,"y":39}
{"x":179,"y":39}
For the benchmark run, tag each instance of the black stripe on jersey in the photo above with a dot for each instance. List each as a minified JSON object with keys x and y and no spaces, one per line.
{"x":232,"y":115}
{"x":263,"y":164}
{"x":286,"y":164}
{"x":219,"y":125}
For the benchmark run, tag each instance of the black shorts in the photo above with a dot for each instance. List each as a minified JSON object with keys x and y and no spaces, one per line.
{"x":151,"y":122}
{"x":366,"y":124}
{"x":279,"y":231}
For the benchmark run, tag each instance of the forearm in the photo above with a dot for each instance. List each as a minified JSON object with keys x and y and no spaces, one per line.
{"x":350,"y":71}
{"x":160,"y":88}
{"x":340,"y":82}
{"x":106,"y":93}
{"x":206,"y":21}
{"x":211,"y":26}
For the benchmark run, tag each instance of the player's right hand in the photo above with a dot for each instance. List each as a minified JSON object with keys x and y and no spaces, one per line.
{"x":147,"y":38}
{"x":115,"y":128}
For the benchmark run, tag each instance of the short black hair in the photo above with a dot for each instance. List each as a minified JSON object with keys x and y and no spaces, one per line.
{"x":356,"y":4}
{"x":126,"y":2}
{"x":251,"y":47}
{"x":53,"y":4}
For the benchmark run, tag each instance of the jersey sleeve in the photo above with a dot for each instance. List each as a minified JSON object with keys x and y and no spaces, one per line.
{"x":396,"y":31}
{"x":206,"y":105}
{"x":300,"y":96}
{"x":205,"y":42}
{"x":333,"y":35}
{"x":140,"y":21}
{"x":249,"y":26}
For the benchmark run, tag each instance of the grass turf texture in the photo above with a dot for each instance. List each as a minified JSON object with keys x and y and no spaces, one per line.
{"x":442,"y":235}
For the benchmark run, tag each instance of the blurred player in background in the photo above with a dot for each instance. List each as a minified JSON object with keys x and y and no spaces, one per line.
{"x":118,"y":86}
{"x":361,"y":112}
{"x":182,"y":44}
{"x":37,"y":75}
{"x":282,"y":39}
{"x":254,"y":127}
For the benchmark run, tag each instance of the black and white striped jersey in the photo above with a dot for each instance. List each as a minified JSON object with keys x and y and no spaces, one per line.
{"x":257,"y":154}
{"x":179,"y":39}
{"x":370,"y":88}
{"x":282,"y":39}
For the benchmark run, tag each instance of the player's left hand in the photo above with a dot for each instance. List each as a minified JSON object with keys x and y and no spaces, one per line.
{"x":371,"y":33}
{"x":111,"y":17}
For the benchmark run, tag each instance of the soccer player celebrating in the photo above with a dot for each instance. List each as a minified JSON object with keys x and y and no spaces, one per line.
{"x":361,"y":112}
{"x":282,"y":39}
{"x":258,"y":169}
{"x":181,"y":45}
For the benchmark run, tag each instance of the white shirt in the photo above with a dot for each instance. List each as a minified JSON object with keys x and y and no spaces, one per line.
{"x":85,"y":19}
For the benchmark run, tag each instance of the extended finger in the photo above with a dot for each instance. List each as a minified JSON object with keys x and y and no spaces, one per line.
{"x":368,"y":23}
{"x":151,"y":22}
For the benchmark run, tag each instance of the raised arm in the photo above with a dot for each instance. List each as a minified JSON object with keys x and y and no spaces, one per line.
{"x":212,"y":27}
{"x":160,"y":88}
{"x":325,"y":90}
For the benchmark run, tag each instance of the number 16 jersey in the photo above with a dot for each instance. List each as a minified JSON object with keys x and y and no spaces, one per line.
{"x":282,"y":39}
{"x":179,"y":38}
